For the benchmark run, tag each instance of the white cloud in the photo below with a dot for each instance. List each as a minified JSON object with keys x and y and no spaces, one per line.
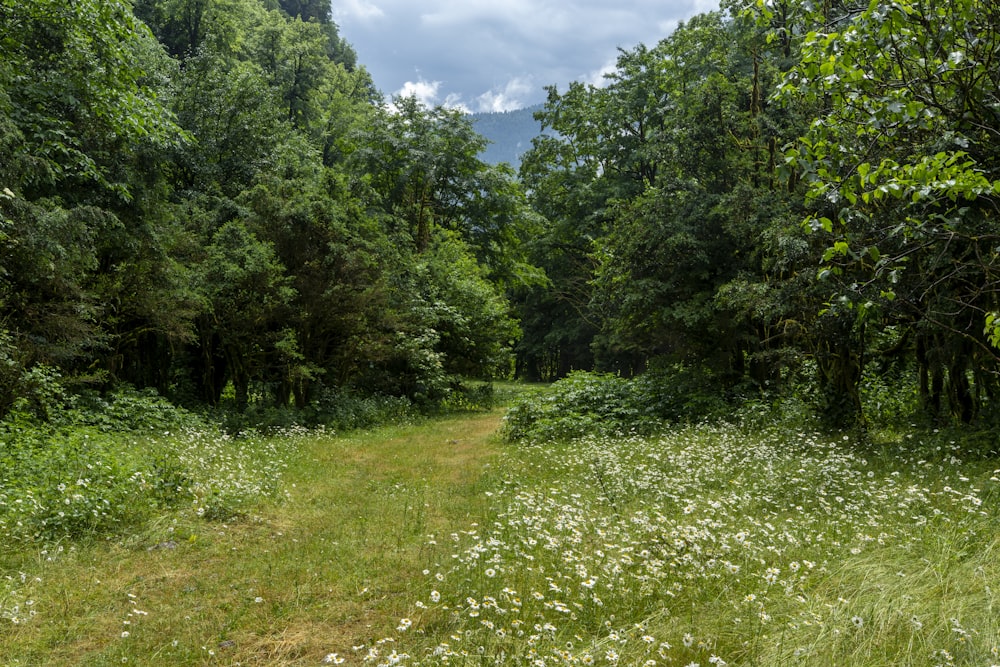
{"x":426,"y":92}
{"x":508,"y":98}
{"x":454,"y":101}
{"x":598,"y":77}
{"x":357,"y":9}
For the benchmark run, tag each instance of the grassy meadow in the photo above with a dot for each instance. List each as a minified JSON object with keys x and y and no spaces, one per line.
{"x":437,"y":543}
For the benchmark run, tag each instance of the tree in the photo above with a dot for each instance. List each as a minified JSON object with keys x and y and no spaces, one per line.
{"x":85,"y":131}
{"x":902,"y":166}
{"x":662,"y":185}
{"x":422,"y":165}
{"x":74,"y":88}
{"x":249,"y":295}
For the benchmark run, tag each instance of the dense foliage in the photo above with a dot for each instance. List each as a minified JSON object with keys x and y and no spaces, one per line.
{"x":790,"y":196}
{"x":209,"y":198}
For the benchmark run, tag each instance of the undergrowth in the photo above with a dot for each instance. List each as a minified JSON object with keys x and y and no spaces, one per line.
{"x":103,"y":465}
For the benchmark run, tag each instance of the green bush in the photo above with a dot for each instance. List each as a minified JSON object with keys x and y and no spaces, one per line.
{"x":102,"y":464}
{"x":463,"y":396}
{"x":344,"y":410}
{"x":587,"y":403}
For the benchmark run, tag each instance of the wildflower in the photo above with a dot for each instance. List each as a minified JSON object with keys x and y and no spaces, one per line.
{"x":857,"y":621}
{"x":332,"y":659}
{"x":688,"y":640}
{"x":435,"y":596}
{"x":404,"y":624}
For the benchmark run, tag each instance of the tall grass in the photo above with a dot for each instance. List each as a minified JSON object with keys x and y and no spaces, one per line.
{"x":436,"y":544}
{"x":712,"y":546}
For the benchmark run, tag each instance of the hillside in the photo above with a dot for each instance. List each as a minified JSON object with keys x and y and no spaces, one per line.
{"x":509,"y":132}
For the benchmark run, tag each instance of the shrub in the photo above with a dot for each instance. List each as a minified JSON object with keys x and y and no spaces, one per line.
{"x":344,"y":410}
{"x":579,"y":404}
{"x":594,"y":403}
{"x":104,"y":464}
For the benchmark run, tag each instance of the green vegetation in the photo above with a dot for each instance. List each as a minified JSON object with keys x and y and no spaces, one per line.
{"x":435,"y":544}
{"x":228,"y":213}
{"x":712,"y":545}
{"x":760,"y":264}
{"x":781,"y":198}
{"x":779,"y":190}
{"x":320,"y":554}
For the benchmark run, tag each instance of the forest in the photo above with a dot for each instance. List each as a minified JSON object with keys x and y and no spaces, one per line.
{"x":209,"y":200}
{"x":291,"y":375}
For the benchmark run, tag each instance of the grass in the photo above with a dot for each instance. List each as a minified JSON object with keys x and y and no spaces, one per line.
{"x":332,"y":566}
{"x":436,"y":544}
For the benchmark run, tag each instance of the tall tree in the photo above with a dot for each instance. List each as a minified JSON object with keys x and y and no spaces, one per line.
{"x":85,"y":132}
{"x":903,"y":168}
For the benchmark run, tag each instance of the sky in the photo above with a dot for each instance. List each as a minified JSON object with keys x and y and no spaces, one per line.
{"x":498,"y":55}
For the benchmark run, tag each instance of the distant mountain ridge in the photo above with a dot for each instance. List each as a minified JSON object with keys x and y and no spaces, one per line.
{"x":510,"y":134}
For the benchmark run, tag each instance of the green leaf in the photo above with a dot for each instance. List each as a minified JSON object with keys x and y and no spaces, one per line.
{"x":863,"y":170}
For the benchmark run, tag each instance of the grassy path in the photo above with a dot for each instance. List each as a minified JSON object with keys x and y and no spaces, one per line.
{"x":331,"y":567}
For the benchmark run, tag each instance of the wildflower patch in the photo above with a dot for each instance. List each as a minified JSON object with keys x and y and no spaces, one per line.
{"x":711,"y":546}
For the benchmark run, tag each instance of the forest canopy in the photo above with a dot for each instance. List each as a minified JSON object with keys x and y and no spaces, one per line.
{"x":211,"y":199}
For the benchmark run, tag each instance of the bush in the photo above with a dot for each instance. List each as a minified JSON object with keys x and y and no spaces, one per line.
{"x":125,"y":409}
{"x":344,"y":410}
{"x":587,"y":403}
{"x":462,"y":396}
{"x":104,"y":464}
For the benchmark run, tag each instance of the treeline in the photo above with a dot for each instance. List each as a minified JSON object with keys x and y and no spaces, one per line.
{"x":783,"y":196}
{"x":211,"y":199}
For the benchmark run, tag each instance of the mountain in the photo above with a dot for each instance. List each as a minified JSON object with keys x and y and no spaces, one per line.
{"x":510,"y":134}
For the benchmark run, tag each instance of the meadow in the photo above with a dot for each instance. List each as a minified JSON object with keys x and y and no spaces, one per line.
{"x":438,"y":543}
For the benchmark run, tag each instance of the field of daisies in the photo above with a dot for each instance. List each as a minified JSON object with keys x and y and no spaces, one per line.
{"x":709,"y":545}
{"x":573,"y":540}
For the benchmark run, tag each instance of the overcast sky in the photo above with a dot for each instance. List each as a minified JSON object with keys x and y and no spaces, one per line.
{"x":497,"y":55}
